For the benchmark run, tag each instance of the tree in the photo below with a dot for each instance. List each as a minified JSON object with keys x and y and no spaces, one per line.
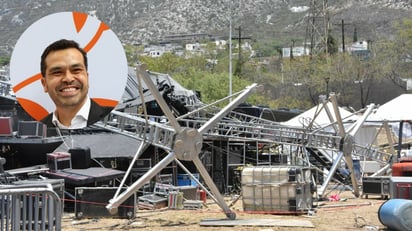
{"x":132,"y":53}
{"x":349,"y":77}
{"x":298,"y":83}
{"x":4,"y":61}
{"x":354,"y":79}
{"x":332,"y":44}
{"x":193,"y":74}
{"x":396,"y":55}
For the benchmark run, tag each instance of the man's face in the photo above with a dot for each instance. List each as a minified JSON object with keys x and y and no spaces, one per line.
{"x":66,"y":79}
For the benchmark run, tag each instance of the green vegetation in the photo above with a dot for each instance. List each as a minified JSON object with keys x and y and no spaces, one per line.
{"x":395,"y":57}
{"x":4,"y":61}
{"x":297,"y":82}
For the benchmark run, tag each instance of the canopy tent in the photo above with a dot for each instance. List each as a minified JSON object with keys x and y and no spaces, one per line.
{"x":319,"y":116}
{"x":365,"y":136}
{"x":397,"y":112}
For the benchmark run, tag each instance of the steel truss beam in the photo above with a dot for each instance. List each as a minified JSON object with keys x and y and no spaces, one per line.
{"x":183,"y":138}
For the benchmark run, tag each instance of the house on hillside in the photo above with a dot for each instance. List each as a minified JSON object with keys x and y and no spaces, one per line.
{"x":154,"y":50}
{"x":159,"y":50}
{"x":360,"y":49}
{"x":193,"y":47}
{"x":220,"y":44}
{"x":296,"y":51}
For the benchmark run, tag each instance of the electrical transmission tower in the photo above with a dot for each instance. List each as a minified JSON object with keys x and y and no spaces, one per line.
{"x":317,"y":28}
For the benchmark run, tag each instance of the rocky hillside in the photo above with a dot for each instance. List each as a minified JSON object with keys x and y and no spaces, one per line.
{"x":139,"y":21}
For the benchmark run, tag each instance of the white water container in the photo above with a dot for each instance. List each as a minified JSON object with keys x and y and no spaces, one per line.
{"x":275,"y":174}
{"x":276,"y":189}
{"x":268,"y":197}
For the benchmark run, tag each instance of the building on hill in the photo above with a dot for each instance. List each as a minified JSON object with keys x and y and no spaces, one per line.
{"x":296,"y":51}
{"x":360,"y":49}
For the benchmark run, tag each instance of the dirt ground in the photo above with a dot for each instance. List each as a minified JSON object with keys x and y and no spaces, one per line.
{"x":347,"y":213}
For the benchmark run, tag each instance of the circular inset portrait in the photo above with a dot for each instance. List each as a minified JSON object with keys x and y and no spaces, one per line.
{"x":68,"y":70}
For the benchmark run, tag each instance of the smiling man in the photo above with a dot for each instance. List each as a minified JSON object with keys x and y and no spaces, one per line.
{"x":66,"y":79}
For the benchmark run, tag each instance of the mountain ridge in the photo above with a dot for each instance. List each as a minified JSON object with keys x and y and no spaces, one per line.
{"x":138,"y":22}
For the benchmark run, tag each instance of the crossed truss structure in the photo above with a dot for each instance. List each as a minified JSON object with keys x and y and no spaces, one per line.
{"x":183,"y":138}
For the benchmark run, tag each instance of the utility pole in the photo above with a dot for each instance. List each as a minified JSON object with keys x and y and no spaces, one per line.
{"x":238,"y":70}
{"x":230,"y":50}
{"x":240,"y":43}
{"x":343,"y":36}
{"x":239,"y":64}
{"x":342,"y":24}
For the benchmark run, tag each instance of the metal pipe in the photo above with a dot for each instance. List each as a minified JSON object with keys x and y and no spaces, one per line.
{"x":196,"y":180}
{"x":139,"y":152}
{"x":114,"y":203}
{"x":332,"y":171}
{"x":239,"y":99}
{"x":209,"y":182}
{"x":159,"y":99}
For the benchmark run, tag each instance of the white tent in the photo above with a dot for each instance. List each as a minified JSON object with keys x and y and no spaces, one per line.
{"x":365,"y":135}
{"x":320,"y":117}
{"x":395,"y":110}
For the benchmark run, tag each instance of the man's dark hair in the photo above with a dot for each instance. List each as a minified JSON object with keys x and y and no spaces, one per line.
{"x":61,"y":44}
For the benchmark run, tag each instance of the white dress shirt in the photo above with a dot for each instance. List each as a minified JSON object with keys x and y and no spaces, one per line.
{"x":78,"y":121}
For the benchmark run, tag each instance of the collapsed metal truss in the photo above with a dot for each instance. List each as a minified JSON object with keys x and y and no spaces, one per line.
{"x":183,"y":139}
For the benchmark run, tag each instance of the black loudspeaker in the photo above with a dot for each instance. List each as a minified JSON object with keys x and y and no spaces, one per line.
{"x":378,"y":185}
{"x":81,"y":158}
{"x":91,"y":202}
{"x":32,"y":129}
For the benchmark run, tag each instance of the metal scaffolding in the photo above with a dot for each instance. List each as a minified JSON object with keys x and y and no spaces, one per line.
{"x":186,"y":137}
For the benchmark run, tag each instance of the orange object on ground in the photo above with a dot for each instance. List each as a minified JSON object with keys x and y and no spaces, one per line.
{"x":402,"y":169}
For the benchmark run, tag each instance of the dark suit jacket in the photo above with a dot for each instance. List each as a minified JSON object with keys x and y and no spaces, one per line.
{"x":96,"y":113}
